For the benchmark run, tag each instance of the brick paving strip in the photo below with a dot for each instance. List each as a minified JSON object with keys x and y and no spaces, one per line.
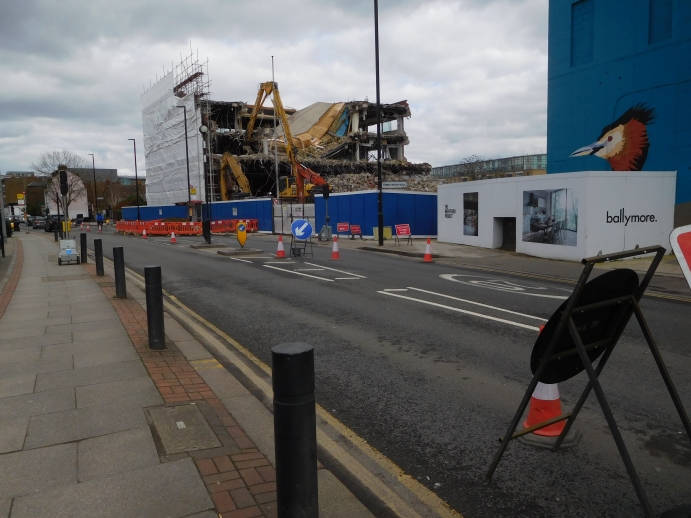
{"x":13,"y":280}
{"x":239,"y":478}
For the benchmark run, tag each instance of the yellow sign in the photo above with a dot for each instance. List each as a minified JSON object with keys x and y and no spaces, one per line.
{"x":242,"y":233}
{"x":20,"y":196}
{"x":193,"y":190}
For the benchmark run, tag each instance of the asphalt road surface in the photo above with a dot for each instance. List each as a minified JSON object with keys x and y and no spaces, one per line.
{"x":429,"y":362}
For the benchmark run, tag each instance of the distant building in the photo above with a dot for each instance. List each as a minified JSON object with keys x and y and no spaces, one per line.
{"x":16,"y":174}
{"x":619,"y":89}
{"x":524,"y":165}
{"x":130,"y":180}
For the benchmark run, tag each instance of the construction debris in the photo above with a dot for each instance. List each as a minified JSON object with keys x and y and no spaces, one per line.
{"x":367,"y":181}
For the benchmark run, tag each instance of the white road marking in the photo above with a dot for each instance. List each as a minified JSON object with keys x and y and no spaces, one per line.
{"x":476,"y":303}
{"x":310,"y":270}
{"x":347,"y":279}
{"x":298,"y":273}
{"x":279,"y":262}
{"x":397,"y":289}
{"x":243,"y":260}
{"x":335,"y":270}
{"x":472,"y":313}
{"x":500,"y":285}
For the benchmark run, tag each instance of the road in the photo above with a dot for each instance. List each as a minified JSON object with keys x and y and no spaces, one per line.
{"x":428,"y":362}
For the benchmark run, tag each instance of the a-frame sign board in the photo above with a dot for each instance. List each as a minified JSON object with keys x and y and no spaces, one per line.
{"x":586,"y":326}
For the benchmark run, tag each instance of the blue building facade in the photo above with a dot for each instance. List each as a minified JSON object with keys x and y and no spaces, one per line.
{"x":619,"y":89}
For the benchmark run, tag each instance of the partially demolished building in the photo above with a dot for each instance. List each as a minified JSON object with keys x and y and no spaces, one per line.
{"x":330,"y":138}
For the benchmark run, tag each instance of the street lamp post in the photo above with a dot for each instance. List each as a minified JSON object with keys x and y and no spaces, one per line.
{"x":206,"y":223}
{"x":93,"y":166}
{"x":187,"y":156}
{"x":136,"y":178}
{"x":380,"y":199}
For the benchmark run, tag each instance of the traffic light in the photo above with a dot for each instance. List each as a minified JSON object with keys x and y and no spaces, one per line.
{"x":63,"y":180}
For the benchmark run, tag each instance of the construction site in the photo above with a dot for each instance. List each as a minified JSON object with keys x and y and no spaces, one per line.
{"x":200,"y":150}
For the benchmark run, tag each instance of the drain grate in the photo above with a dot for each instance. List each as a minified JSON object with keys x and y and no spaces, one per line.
{"x":182,"y":428}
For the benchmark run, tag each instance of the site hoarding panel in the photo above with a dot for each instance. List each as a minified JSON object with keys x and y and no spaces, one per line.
{"x":259,"y":209}
{"x":361,"y":208}
{"x":582,"y":202}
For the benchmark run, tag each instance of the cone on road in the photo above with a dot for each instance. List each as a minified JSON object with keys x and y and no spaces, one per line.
{"x":335,"y":255}
{"x":144,"y":236}
{"x":280,"y":253}
{"x":81,"y":226}
{"x":173,"y":239}
{"x":428,"y":252}
{"x":545,"y":404}
{"x":88,"y":228}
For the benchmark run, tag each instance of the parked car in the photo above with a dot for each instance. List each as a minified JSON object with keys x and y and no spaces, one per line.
{"x":30,"y":221}
{"x":51,"y":223}
{"x":39,"y":222}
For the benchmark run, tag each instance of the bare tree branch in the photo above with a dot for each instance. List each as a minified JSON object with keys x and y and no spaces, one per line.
{"x":471,"y":166}
{"x":49,"y":161}
{"x":75,"y":190}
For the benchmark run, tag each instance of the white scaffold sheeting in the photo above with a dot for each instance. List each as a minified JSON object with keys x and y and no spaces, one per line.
{"x":164,"y":145}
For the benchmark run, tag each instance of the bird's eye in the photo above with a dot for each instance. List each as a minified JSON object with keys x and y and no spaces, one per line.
{"x":609,"y":139}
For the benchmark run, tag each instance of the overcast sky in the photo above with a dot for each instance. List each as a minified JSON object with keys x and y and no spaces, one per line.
{"x":474,"y":71}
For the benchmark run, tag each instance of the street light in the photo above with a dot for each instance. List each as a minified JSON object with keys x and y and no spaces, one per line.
{"x":380,"y":198}
{"x":187,"y":156}
{"x":206,"y":223}
{"x":136,"y":178}
{"x":93,"y":165}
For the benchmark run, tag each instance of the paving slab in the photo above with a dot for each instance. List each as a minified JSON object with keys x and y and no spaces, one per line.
{"x":193,"y":350}
{"x":35,"y":366}
{"x":82,"y":423}
{"x":89,"y":375}
{"x":179,"y":492}
{"x":100,"y":345}
{"x":98,"y":334}
{"x":257,"y":422}
{"x":5,"y":504}
{"x":136,"y":391}
{"x":22,"y":315}
{"x":100,"y":325}
{"x":94,"y":317}
{"x":93,"y":358}
{"x":26,"y":472}
{"x":36,"y":404}
{"x":23,"y":330}
{"x":116,"y":453}
{"x":17,"y":385}
{"x":12,"y":432}
{"x":222,"y":382}
{"x":18,"y":355}
{"x":336,"y":501}
{"x":17,"y":343}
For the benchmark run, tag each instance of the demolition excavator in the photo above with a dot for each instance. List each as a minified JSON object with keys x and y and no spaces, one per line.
{"x":228,"y":163}
{"x":304,"y":177}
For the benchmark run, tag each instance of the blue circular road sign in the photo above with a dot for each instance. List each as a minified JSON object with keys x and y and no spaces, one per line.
{"x":301,"y":229}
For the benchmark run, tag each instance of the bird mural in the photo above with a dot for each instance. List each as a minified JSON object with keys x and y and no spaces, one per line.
{"x":624,"y":143}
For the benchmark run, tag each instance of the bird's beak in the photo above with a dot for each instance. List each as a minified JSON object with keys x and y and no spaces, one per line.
{"x":588,"y":150}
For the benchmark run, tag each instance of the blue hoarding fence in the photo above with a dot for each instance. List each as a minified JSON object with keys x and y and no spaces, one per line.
{"x":418,"y":209}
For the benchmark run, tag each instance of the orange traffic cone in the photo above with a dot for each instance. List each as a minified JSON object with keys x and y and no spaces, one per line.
{"x":428,"y":252}
{"x":173,"y":239}
{"x":81,"y":226}
{"x":88,"y":228}
{"x":545,"y":404}
{"x":280,"y":253}
{"x":335,"y":256}
{"x":144,"y":234}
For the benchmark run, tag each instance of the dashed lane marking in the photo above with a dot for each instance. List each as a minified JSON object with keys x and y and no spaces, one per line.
{"x":339,"y":271}
{"x":299,"y":273}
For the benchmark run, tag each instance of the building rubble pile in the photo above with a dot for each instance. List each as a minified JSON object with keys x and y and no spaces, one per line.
{"x":365,"y":181}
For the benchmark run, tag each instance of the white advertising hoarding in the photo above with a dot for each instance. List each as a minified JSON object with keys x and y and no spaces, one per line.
{"x":561,"y":216}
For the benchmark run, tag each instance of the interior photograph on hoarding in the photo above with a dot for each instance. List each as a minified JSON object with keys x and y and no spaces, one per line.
{"x":470,"y":202}
{"x":550,"y":217}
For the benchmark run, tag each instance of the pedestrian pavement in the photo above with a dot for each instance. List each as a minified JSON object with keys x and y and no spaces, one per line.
{"x":93,"y":423}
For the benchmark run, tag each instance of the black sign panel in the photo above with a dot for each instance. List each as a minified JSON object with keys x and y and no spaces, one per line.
{"x":63,"y":183}
{"x":596,"y":325}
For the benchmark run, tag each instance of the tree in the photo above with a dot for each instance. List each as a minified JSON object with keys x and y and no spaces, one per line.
{"x":75,"y":190}
{"x":49,"y":161}
{"x":471,"y":166}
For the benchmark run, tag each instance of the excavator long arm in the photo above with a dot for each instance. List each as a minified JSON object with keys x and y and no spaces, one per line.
{"x":265,"y":90}
{"x":228,"y":162}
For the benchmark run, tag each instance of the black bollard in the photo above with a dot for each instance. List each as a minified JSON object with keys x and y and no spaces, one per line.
{"x":154,"y":308}
{"x":82,"y":247}
{"x":295,"y":430}
{"x":119,"y":266}
{"x":206,"y":231}
{"x":55,"y":234}
{"x":98,"y":250}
